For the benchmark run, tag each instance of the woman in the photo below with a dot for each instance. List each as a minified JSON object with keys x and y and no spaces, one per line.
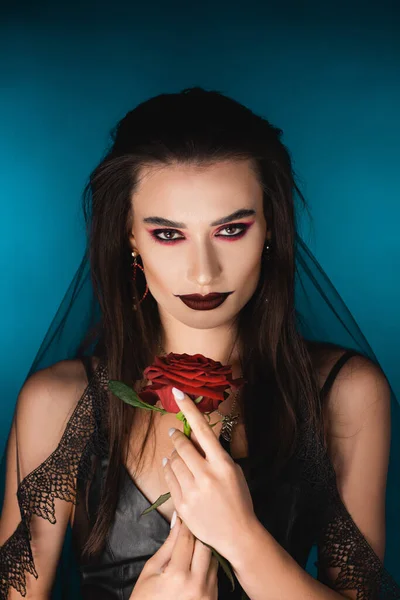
{"x":196,"y":197}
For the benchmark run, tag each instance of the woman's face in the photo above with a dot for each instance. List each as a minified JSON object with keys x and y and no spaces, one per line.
{"x":193,"y":254}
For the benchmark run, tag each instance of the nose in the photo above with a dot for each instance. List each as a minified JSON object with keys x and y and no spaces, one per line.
{"x":204,"y":266}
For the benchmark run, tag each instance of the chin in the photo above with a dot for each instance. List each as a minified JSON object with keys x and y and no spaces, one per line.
{"x":206,"y":320}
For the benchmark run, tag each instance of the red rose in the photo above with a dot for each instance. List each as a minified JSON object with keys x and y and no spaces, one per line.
{"x":195,"y":375}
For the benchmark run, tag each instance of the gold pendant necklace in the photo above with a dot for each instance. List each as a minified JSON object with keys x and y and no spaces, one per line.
{"x":229,"y":421}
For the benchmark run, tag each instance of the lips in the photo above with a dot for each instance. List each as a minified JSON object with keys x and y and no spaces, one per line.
{"x":200,"y":297}
{"x":208,"y":302}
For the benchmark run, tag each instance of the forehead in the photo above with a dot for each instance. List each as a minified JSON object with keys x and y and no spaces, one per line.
{"x":196,"y":191}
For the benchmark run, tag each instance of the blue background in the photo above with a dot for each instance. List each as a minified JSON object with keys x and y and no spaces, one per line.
{"x":326,"y":73}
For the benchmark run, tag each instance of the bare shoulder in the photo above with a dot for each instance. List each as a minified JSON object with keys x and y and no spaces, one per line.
{"x":357,"y":428}
{"x":59,"y":384}
{"x":357,"y":418}
{"x":65,"y":381}
{"x":359,"y":394}
{"x":44,"y":407}
{"x":45,"y":404}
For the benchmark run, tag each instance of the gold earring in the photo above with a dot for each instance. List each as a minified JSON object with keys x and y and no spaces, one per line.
{"x":136,"y":265}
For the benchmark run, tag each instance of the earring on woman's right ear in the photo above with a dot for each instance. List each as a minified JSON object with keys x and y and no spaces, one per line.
{"x":136,"y":265}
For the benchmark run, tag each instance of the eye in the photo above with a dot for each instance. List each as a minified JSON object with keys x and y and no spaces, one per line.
{"x":168,"y":236}
{"x":157,"y":233}
{"x":240,"y":226}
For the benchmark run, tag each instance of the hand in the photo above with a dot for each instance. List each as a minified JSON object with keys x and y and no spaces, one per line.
{"x":208,"y":489}
{"x":182,"y":569}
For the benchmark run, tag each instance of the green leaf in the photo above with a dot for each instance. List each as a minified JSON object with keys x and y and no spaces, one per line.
{"x":160,"y":500}
{"x":129,"y":396}
{"x":224,"y":564}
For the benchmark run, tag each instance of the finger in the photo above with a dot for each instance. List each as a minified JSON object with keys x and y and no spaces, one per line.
{"x":176,"y":466}
{"x":192,"y":456}
{"x":183,"y":549}
{"x":173,"y":483}
{"x":204,"y":434}
{"x":200,"y":560}
{"x":164,"y":553}
{"x":212,"y":574}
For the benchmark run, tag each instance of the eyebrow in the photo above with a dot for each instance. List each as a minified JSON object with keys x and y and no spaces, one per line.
{"x":238,"y":214}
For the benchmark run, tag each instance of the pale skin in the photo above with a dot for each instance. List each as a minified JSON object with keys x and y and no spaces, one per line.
{"x":211,"y":494}
{"x":358,"y":406}
{"x":207,"y":258}
{"x":205,"y":261}
{"x":201,"y":263}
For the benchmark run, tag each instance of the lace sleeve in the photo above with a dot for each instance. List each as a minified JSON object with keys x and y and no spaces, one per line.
{"x":343,"y":548}
{"x":345,"y":559}
{"x":54,"y":478}
{"x":346,"y":562}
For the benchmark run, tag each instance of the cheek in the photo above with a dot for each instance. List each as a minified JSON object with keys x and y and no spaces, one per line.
{"x":246,"y":276}
{"x":247,"y":264}
{"x":161,"y":273}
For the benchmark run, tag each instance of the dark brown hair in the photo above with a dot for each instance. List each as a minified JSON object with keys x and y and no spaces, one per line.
{"x":200,"y":127}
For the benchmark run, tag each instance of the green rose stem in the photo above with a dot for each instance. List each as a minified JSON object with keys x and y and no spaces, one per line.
{"x":129,"y":396}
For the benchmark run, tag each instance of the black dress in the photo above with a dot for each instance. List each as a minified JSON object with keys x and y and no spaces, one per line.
{"x":300,"y":508}
{"x":289,"y":510}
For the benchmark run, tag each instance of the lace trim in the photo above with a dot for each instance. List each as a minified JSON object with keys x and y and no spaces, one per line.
{"x":15,"y":559}
{"x":54,"y":478}
{"x":340,"y":543}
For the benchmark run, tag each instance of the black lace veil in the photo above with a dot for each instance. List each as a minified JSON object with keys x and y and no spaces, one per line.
{"x":322,"y":316}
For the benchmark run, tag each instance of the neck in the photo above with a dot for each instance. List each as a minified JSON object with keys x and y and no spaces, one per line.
{"x":226,"y":357}
{"x":219,"y":343}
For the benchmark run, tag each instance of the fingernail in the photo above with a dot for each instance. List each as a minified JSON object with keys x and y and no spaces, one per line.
{"x":173,"y":519}
{"x":164,"y":461}
{"x":171,"y":431}
{"x":178,"y":395}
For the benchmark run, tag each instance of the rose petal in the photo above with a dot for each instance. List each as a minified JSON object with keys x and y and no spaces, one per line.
{"x":149,"y":396}
{"x":196,"y":375}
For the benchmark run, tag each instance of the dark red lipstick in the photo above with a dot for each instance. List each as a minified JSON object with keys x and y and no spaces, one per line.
{"x":208,"y":302}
